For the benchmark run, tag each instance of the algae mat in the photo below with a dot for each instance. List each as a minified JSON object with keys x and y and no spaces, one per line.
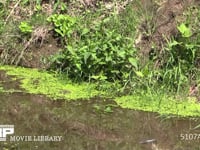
{"x":163,"y":104}
{"x":50,"y":84}
{"x":56,"y":87}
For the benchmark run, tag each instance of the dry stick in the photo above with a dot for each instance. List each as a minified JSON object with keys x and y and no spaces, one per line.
{"x":23,"y":50}
{"x":11,"y":12}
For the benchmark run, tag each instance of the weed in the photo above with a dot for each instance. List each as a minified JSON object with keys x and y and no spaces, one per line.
{"x":182,"y":54}
{"x":184,"y":30}
{"x":64,"y":24}
{"x":97,"y":52}
{"x":25,"y":27}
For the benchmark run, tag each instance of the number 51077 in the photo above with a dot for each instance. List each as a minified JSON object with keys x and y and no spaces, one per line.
{"x":190,"y":136}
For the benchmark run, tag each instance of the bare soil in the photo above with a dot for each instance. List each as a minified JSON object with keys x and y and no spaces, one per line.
{"x":37,"y":56}
{"x":162,"y":27}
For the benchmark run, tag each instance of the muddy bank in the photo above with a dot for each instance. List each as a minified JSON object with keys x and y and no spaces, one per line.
{"x":159,"y":26}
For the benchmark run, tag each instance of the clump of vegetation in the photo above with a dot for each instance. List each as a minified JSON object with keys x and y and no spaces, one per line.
{"x":96,"y":53}
{"x":96,"y":48}
{"x":181,"y":65}
{"x":102,"y":42}
{"x":25,"y":27}
{"x":64,"y":24}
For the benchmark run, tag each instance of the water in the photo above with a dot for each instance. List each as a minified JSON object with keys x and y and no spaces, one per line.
{"x":95,"y":124}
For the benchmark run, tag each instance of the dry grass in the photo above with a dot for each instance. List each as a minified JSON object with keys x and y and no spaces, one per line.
{"x":40,"y":34}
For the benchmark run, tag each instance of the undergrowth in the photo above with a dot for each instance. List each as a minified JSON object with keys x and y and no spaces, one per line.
{"x":97,"y":42}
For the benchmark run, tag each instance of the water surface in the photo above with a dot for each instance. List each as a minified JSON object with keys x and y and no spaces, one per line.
{"x":96,"y":124}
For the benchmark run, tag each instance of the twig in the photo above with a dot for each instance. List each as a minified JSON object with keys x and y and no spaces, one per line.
{"x":11,"y":12}
{"x":23,"y":50}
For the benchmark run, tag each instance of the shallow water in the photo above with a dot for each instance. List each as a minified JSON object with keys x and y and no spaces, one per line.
{"x":95,"y":124}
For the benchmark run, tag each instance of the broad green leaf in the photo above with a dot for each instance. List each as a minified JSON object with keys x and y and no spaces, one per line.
{"x":103,"y":77}
{"x":95,"y":77}
{"x":121,"y":53}
{"x":116,"y":71}
{"x":185,"y":31}
{"x":133,"y":61}
{"x":78,"y":66}
{"x":85,"y":31}
{"x":59,"y":32}
{"x":139,"y":74}
{"x":173,"y":43}
{"x":70,"y":49}
{"x":86,"y":56}
{"x":189,"y":46}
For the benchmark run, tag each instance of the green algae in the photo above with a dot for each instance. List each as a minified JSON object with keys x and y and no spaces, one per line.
{"x":163,"y":104}
{"x":49,"y":84}
{"x":1,"y":89}
{"x":56,"y":87}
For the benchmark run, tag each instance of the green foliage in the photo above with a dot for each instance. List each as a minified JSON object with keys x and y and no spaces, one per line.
{"x":96,"y":46}
{"x":25,"y":27}
{"x":127,"y":21}
{"x":184,"y":30}
{"x":38,"y":7}
{"x":108,"y":109}
{"x":98,"y":53}
{"x":182,"y":55}
{"x":179,"y":64}
{"x":63,"y":6}
{"x":64,"y":24}
{"x":25,"y":2}
{"x":38,"y":19}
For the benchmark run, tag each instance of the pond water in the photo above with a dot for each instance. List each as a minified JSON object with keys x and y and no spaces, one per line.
{"x":96,"y":124}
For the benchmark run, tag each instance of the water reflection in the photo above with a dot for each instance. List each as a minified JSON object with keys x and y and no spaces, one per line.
{"x":86,"y":125}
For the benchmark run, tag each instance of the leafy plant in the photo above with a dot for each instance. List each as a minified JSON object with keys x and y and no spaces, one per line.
{"x":64,"y":24}
{"x":108,"y":109}
{"x":38,"y":7}
{"x":99,"y":53}
{"x":184,"y":30}
{"x":182,"y":54}
{"x":25,"y":27}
